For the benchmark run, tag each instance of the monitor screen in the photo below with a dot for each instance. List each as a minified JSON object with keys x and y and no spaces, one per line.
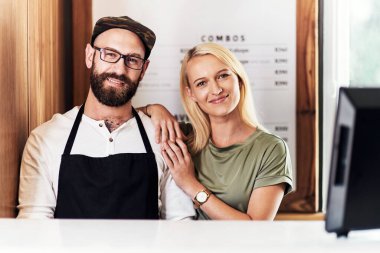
{"x":353,"y":200}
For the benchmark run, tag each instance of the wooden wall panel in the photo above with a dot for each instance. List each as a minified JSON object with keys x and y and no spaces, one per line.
{"x":305,"y":198}
{"x":32,"y":84}
{"x":46,"y":60}
{"x":14,"y":99}
{"x":82,"y":30}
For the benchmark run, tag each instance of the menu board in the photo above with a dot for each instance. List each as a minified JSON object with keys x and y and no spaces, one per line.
{"x":261,"y":33}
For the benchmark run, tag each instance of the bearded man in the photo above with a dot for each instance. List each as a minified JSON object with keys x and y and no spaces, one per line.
{"x":99,"y":160}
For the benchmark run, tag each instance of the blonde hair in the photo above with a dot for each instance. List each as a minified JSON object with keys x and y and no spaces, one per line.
{"x":199,"y":119}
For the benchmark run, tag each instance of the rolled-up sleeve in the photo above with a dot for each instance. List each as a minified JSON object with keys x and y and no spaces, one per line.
{"x":277,"y":167}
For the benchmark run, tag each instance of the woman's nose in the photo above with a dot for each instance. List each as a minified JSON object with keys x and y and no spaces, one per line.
{"x":217,"y":90}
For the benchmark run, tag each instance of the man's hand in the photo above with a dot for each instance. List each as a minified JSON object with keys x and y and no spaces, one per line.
{"x":165,"y":124}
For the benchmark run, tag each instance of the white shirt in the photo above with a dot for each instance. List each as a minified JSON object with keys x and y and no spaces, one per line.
{"x":42,"y":158}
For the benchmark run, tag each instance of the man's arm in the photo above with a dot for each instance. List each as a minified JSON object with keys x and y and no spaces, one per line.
{"x":36,"y":194}
{"x":176,"y":205}
{"x":165,"y":124}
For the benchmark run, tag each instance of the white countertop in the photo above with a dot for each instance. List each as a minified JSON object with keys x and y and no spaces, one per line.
{"x":183,"y":236}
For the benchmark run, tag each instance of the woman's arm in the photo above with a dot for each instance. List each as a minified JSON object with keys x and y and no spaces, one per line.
{"x":165,"y":124}
{"x":263,"y":204}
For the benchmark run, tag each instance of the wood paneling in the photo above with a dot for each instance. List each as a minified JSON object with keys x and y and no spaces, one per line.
{"x":14,"y":99}
{"x":46,"y":62}
{"x":82,"y":30}
{"x":305,"y":198}
{"x":31,"y":82}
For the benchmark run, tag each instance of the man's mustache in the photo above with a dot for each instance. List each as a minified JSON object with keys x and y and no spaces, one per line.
{"x":121,"y":78}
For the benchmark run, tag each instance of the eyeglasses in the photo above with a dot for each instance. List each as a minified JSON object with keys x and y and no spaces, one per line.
{"x":112,"y":56}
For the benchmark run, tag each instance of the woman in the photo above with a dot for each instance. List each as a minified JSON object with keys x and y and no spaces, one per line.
{"x":235,"y":169}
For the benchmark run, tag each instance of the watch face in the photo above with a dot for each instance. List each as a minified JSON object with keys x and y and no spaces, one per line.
{"x":201,"y":197}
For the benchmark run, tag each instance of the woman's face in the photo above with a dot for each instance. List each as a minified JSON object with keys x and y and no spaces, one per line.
{"x":212,"y":85}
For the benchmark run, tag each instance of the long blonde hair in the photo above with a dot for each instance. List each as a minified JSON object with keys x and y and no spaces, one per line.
{"x":199,"y":119}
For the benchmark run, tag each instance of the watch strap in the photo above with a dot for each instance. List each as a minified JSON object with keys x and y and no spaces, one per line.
{"x":198,"y":204}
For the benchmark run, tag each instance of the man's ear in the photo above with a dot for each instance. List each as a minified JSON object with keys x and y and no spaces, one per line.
{"x":145,"y":67}
{"x":190,"y":94}
{"x":90,"y":51}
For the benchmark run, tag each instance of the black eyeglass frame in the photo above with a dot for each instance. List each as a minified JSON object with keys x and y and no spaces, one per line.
{"x":124,"y":56}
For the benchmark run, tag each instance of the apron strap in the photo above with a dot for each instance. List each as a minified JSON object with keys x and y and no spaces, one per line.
{"x":74,"y":130}
{"x":143,"y":134}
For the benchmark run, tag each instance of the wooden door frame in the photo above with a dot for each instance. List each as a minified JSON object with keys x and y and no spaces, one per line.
{"x":81,"y":35}
{"x":306,"y":198}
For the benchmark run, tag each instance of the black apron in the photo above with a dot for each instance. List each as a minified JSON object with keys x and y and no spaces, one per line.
{"x":120,"y":186}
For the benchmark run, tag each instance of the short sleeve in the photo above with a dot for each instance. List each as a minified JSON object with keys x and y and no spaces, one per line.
{"x":276,"y":168}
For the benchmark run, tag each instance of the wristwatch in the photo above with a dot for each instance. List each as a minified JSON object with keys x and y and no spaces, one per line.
{"x":201,"y":197}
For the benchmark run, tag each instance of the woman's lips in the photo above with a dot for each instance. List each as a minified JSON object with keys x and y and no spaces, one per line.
{"x":219,"y":99}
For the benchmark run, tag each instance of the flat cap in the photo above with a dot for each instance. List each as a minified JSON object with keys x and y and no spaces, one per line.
{"x":146,"y":35}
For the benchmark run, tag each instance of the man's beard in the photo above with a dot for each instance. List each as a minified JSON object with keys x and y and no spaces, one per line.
{"x":112,"y":96}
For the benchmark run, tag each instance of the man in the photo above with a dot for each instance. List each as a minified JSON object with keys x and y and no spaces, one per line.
{"x":99,"y":160}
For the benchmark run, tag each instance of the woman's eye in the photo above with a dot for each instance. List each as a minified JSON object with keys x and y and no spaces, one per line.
{"x":223,"y":76}
{"x":201,"y":83}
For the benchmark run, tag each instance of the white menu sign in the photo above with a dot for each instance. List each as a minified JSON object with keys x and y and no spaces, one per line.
{"x":261,"y":33}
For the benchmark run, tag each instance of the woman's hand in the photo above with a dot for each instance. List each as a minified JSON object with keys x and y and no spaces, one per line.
{"x":181,"y":166}
{"x":165,"y":124}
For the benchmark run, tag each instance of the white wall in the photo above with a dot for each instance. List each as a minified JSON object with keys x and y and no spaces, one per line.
{"x":335,"y":73}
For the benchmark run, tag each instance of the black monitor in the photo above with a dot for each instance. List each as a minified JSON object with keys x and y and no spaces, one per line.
{"x":353,"y":201}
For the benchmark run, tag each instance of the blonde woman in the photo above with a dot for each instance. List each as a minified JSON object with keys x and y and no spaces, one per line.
{"x":230,"y":166}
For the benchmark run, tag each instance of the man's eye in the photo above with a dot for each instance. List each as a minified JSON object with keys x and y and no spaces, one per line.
{"x":110,"y":54}
{"x":132,"y":60}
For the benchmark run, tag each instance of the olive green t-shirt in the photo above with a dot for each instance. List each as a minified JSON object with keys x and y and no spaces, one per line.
{"x":233,"y":172}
